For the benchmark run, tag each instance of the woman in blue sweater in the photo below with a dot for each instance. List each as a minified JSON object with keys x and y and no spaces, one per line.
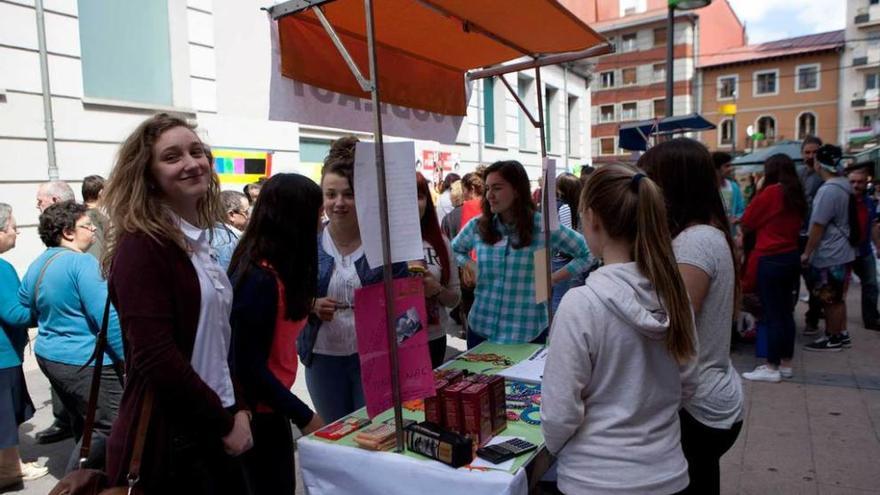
{"x":64,"y":288}
{"x":15,"y":403}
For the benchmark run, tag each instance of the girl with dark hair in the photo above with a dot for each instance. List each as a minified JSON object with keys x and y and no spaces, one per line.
{"x":274,"y":272}
{"x":327,"y":346}
{"x":441,"y":278}
{"x":773,"y":267}
{"x":568,"y":191}
{"x":174,"y":301}
{"x":705,"y":252}
{"x":621,"y":349}
{"x":505,"y":238}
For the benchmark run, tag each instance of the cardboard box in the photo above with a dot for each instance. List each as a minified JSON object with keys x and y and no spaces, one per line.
{"x":452,"y":415}
{"x":498,"y":403}
{"x":475,"y":412}
{"x":434,"y":405}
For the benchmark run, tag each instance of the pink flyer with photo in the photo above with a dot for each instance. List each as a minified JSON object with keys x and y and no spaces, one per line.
{"x":416,"y":375}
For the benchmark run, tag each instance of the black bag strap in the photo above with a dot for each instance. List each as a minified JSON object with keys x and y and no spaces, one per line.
{"x":100,"y":343}
{"x":36,"y":290}
{"x":89,"y":425}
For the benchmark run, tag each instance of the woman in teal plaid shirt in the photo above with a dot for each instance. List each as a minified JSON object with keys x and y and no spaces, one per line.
{"x":505,"y":239}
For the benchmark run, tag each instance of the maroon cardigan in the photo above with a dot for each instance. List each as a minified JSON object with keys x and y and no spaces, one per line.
{"x":155,"y":290}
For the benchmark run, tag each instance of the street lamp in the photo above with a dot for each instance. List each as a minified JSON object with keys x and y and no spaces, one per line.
{"x":670,"y":41}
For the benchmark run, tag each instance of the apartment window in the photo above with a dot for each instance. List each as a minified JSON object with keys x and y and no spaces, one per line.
{"x":606,"y":113}
{"x":607,"y":79}
{"x":806,"y":125}
{"x":871,"y":81}
{"x":725,"y":132}
{"x":767,"y":127}
{"x":523,"y":90}
{"x":659,"y":108}
{"x":660,"y":37}
{"x":766,"y":83}
{"x":807,"y":78}
{"x":659,"y":72}
{"x":727,"y":87}
{"x":606,"y":146}
{"x":124,"y":60}
{"x":629,"y":42}
{"x":629,"y":111}
{"x":489,"y":110}
{"x":572,"y":126}
{"x":629,"y":76}
{"x":551,"y":123}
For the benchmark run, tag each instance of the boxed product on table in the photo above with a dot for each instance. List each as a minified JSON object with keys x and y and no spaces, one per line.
{"x":498,"y":403}
{"x":434,"y":405}
{"x":477,"y":420}
{"x":451,"y":397}
{"x":376,"y":437}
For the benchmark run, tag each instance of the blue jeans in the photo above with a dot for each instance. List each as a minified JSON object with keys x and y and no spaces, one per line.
{"x":334,"y":384}
{"x":561,"y":288}
{"x":777,"y":278}
{"x":865,"y":267}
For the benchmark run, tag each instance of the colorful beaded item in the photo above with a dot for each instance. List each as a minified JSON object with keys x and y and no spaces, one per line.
{"x":526,"y":415}
{"x":522,"y":395}
{"x":496,"y":359}
{"x":512,"y":416}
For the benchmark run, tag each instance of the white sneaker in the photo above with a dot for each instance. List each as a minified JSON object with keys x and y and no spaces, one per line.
{"x":31,"y":471}
{"x":763,"y":373}
{"x":785,"y":372}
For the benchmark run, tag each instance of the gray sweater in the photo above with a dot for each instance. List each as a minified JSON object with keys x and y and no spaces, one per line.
{"x":611,"y":390}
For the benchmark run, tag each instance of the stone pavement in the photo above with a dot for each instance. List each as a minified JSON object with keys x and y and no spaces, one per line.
{"x":818,"y":433}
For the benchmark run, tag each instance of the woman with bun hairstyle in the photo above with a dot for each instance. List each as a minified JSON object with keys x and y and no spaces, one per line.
{"x":174,"y":302}
{"x":704,"y":250}
{"x":506,"y":237}
{"x":327,"y":346}
{"x":621,"y":349}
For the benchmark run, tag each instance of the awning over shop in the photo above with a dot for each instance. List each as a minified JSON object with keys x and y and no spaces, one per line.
{"x":759,"y":156}
{"x":634,"y":136}
{"x":424,"y":47}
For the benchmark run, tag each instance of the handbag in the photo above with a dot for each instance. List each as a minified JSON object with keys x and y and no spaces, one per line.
{"x":93,"y":481}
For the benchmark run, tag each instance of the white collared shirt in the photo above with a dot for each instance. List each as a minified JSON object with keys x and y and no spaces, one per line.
{"x":214,"y":334}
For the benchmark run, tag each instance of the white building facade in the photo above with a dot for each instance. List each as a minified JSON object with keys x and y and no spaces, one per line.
{"x":859,"y":108}
{"x":111,"y":64}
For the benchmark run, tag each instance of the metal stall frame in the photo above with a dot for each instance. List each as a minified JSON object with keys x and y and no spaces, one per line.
{"x":532,"y":61}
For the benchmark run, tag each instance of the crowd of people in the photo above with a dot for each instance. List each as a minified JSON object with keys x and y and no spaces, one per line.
{"x":210,"y":302}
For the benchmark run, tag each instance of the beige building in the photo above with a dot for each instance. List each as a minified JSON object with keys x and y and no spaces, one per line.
{"x":784,"y":89}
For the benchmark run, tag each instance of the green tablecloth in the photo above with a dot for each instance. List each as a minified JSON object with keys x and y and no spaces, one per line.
{"x":514,"y":352}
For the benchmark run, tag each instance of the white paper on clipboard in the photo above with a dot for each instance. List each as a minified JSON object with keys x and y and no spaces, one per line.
{"x":549,"y":192}
{"x":403,"y":205}
{"x":529,"y":370}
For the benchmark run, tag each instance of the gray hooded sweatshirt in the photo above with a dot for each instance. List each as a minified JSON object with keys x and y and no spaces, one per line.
{"x":611,"y":390}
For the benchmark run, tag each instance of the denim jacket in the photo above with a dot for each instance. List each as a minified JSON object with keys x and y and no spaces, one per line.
{"x":368,"y":276}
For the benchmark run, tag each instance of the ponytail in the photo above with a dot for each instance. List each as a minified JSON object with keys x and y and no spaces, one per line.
{"x":631,"y":206}
{"x":656,"y":260}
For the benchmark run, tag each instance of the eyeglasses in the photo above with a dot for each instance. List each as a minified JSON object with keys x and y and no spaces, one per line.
{"x":244,"y":213}
{"x":87,"y":226}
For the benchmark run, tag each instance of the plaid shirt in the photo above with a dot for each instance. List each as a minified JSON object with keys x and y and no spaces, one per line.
{"x":504,"y":309}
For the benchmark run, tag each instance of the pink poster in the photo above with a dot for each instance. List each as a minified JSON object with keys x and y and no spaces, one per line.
{"x":416,"y":375}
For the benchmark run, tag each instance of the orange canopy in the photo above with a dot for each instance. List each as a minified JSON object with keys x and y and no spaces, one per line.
{"x":424,"y":47}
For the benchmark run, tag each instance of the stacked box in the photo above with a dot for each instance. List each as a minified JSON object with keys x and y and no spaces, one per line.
{"x":434,"y":405}
{"x":453,"y":376}
{"x":451,"y":397}
{"x":498,"y":403}
{"x":477,"y":420}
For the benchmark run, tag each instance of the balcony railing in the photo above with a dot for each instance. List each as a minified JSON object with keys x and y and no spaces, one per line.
{"x":859,"y":102}
{"x":862,"y":18}
{"x":857,"y":61}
